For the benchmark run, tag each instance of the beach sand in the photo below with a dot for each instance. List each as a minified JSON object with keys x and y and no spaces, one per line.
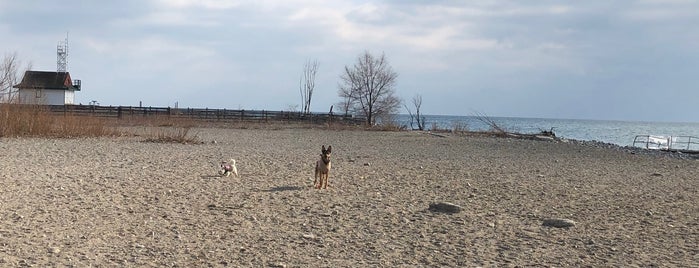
{"x":120,"y":201}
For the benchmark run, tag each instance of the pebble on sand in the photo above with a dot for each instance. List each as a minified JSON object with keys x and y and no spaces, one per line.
{"x":444,"y":207}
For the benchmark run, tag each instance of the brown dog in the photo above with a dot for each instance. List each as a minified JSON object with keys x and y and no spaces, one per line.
{"x":323,"y":168}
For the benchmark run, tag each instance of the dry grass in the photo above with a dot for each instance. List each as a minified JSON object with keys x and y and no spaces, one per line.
{"x":459,"y":128}
{"x":173,"y":135}
{"x":158,"y":121}
{"x":82,"y":126}
{"x":37,"y":121}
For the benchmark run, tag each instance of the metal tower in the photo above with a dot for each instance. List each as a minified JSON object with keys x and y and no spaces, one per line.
{"x":62,"y":54}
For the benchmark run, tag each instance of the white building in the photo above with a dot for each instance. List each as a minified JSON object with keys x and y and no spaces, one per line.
{"x":48,"y":88}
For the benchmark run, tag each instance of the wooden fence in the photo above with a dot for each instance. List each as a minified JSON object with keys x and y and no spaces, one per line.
{"x":202,"y":114}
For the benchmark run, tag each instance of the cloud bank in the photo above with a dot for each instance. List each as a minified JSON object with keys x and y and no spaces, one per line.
{"x":621,"y":60}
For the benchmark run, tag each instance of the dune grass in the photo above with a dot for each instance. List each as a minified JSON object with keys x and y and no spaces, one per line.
{"x":37,"y":121}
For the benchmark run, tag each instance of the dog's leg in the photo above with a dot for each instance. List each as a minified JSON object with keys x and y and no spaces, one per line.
{"x":234,"y":169}
{"x":316,"y":179}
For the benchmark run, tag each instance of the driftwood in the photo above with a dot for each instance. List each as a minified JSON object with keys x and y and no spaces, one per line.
{"x":558,"y":223}
{"x":444,"y":207}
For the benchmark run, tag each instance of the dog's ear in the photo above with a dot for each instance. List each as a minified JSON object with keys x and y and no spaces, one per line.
{"x":322,"y":149}
{"x":330,"y":147}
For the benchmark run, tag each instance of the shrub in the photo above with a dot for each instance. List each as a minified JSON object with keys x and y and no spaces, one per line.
{"x":173,"y":135}
{"x":459,"y":127}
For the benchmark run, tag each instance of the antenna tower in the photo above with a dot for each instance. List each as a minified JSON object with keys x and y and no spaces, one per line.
{"x":62,"y":55}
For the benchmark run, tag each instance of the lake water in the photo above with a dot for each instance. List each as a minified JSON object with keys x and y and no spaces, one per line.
{"x":616,"y":132}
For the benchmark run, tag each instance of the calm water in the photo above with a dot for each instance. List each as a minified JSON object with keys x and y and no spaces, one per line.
{"x":616,"y":132}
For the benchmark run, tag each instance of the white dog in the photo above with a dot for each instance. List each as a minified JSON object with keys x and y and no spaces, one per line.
{"x":228,"y":167}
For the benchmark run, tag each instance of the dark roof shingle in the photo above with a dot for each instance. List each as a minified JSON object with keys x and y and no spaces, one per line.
{"x":46,"y":80}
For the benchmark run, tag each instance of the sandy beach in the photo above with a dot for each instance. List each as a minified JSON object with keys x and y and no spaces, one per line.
{"x":121,"y":201}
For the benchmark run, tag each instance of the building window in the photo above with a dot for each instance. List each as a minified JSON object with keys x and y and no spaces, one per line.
{"x":38,"y":93}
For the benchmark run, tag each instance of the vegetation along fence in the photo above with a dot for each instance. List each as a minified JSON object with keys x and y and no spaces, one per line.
{"x":202,"y":114}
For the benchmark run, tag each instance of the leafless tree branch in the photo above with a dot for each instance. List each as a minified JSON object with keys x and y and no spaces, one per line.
{"x":490,"y":122}
{"x":307,"y":84}
{"x":9,"y":77}
{"x":369,"y":87}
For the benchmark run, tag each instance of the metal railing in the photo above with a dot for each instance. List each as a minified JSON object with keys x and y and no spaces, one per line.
{"x":669,"y":143}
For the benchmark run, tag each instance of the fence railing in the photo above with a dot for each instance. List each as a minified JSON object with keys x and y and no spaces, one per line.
{"x":201,"y":114}
{"x":688,"y":144}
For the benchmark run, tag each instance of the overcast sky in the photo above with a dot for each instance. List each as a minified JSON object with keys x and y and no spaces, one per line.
{"x":618,"y":60}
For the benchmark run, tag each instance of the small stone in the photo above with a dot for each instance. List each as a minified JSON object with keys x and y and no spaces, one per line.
{"x":367,"y":164}
{"x":444,"y":207}
{"x":309,"y":236}
{"x":54,"y":250}
{"x":657,"y":174}
{"x":649,"y":213}
{"x":277,"y":265}
{"x":558,"y":223}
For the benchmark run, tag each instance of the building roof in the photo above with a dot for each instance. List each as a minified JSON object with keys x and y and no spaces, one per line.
{"x":47,"y":80}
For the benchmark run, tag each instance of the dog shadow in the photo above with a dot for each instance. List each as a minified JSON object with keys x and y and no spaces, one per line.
{"x":284,"y":188}
{"x":211,"y":176}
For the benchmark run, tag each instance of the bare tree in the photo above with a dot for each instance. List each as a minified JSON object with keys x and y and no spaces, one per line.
{"x":369,"y":87}
{"x":9,"y":77}
{"x":307,"y":84}
{"x":417,"y":104}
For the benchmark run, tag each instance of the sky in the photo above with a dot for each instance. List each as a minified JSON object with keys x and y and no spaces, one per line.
{"x":607,"y":60}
